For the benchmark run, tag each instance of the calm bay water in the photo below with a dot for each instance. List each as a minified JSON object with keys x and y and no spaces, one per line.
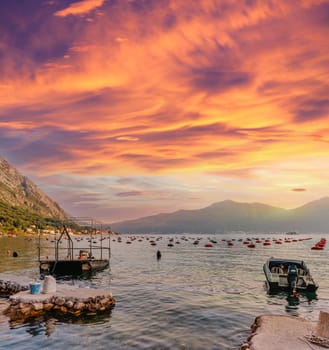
{"x":192,"y":298}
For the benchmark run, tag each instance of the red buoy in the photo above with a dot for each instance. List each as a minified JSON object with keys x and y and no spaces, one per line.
{"x":316,"y":247}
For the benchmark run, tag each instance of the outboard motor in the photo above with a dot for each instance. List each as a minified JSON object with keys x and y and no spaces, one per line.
{"x":292,"y":276}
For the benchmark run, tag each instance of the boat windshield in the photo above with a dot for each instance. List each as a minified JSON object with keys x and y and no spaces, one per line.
{"x":284,"y":264}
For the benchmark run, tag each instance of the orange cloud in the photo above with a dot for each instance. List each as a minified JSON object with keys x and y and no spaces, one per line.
{"x":80,"y":8}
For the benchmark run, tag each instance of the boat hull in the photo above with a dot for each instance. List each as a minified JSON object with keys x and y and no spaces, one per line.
{"x":72,"y":267}
{"x":275,"y":287}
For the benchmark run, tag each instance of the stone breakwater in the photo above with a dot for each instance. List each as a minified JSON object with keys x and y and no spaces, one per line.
{"x":66,"y":300}
{"x":21,"y":307}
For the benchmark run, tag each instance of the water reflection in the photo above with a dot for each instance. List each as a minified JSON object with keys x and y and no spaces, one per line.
{"x":46,"y":324}
{"x":192,"y":298}
{"x":291,"y":301}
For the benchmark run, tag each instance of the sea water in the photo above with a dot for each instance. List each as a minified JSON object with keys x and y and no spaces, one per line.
{"x":193,"y":297}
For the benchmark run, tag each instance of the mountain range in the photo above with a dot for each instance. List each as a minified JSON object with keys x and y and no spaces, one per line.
{"x":22,"y":203}
{"x":228,"y":216}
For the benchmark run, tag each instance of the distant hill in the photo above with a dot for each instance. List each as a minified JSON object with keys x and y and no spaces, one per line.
{"x":233,"y":216}
{"x":21,"y":201}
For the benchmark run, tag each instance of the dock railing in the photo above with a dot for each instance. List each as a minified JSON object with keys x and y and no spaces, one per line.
{"x":68,"y":242}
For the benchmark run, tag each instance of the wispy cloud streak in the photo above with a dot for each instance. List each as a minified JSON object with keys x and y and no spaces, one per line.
{"x":80,"y":8}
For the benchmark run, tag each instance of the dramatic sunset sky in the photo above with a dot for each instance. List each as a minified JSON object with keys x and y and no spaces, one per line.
{"x":119,"y":109}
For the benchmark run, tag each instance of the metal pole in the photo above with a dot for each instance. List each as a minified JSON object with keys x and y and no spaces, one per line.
{"x":101,"y":230}
{"x":39,"y":245}
{"x":109,"y":242}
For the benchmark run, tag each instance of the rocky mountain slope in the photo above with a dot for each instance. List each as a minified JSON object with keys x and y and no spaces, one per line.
{"x":18,"y":191}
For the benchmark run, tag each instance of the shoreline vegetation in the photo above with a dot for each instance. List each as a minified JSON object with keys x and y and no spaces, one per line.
{"x":19,"y":221}
{"x":52,"y":233}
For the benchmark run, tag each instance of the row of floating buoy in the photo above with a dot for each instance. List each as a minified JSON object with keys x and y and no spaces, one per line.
{"x":319,"y":245}
{"x":248,"y":242}
{"x":266,"y":242}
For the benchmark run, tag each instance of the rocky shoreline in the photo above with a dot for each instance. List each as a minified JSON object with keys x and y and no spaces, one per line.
{"x":268,"y":332}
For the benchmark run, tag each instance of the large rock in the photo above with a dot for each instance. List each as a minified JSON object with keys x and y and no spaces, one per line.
{"x":273,"y":332}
